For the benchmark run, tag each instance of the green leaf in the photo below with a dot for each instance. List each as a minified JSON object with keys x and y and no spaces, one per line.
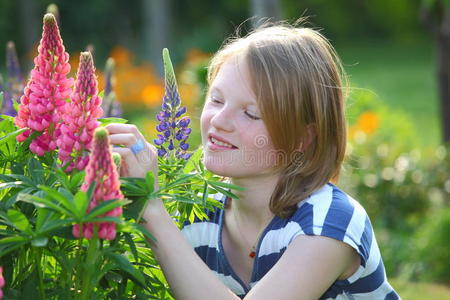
{"x":150,"y":182}
{"x":130,"y":242}
{"x":91,"y":190}
{"x":106,"y":121}
{"x":81,"y":203}
{"x":8,"y":118}
{"x":193,"y":161}
{"x":36,"y":171}
{"x":8,"y":137}
{"x":182,"y":179}
{"x":70,"y":206}
{"x":124,"y":264}
{"x":76,"y":180}
{"x":11,"y":177}
{"x":144,"y":231}
{"x":55,"y":224}
{"x":226,"y":185}
{"x":12,"y":240}
{"x":205,"y":193}
{"x":225,"y":192}
{"x":104,"y":207}
{"x":19,"y":220}
{"x":42,"y":216}
{"x":14,"y":184}
{"x":39,"y":241}
{"x":42,"y":202}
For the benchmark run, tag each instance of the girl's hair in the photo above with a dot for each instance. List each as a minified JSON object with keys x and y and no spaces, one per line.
{"x":297,"y":79}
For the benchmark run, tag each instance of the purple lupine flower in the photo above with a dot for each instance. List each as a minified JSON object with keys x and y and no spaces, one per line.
{"x":111,"y":107}
{"x":173,"y":128}
{"x":13,"y":86}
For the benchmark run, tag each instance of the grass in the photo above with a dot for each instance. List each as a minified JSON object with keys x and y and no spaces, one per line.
{"x":419,"y":291}
{"x":403,"y":77}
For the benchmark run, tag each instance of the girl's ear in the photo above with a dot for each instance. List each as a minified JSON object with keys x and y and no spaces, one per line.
{"x":309,"y":138}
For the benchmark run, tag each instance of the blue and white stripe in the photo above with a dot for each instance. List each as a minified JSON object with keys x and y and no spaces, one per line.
{"x":328,"y":212}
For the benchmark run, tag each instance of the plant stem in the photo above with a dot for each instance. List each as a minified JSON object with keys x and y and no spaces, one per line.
{"x":38,"y":257}
{"x":89,"y":267}
{"x":76,"y":276}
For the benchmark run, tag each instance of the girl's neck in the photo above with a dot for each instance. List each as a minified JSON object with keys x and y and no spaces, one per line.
{"x":252,"y":207}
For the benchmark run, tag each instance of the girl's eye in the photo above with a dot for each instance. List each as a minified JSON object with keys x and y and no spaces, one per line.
{"x":252,"y":116}
{"x":214,"y":100}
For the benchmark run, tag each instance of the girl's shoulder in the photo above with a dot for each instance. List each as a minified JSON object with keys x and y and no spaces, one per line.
{"x":332,"y":213}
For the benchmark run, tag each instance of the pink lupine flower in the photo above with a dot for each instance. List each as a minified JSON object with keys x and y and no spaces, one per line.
{"x":102,"y":170}
{"x":2,"y":282}
{"x":46,"y":91}
{"x":80,"y":117}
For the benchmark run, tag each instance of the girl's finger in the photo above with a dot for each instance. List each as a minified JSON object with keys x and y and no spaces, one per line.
{"x":127,"y":139}
{"x":123,"y":128}
{"x":129,"y":161}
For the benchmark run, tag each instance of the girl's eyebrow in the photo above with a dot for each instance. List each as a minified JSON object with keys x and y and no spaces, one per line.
{"x":218,"y":90}
{"x":215,"y":89}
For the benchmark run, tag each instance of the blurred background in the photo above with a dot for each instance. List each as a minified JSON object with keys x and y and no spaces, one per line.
{"x":397,"y":56}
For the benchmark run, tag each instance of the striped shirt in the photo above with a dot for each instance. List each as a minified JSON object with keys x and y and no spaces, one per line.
{"x":328,"y":212}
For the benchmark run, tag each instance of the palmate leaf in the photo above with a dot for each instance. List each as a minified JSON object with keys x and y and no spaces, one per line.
{"x":44,"y":203}
{"x":193,"y":161}
{"x":59,"y":197}
{"x":124,"y":264}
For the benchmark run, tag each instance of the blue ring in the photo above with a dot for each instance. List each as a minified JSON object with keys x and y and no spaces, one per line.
{"x":137,"y":147}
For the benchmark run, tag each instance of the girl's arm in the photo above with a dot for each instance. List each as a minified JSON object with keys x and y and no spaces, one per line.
{"x":306,"y":270}
{"x":188,"y":276}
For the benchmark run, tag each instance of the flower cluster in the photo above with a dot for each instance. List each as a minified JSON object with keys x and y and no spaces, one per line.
{"x":13,"y":85}
{"x":111,"y":107}
{"x":80,"y":117}
{"x":173,"y":129}
{"x":102,"y":170}
{"x":45,"y":94}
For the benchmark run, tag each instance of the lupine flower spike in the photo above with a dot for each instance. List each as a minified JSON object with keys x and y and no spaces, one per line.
{"x":173,"y":128}
{"x":101,"y":170}
{"x":2,"y":282}
{"x":45,"y":94}
{"x":80,"y":117}
{"x":111,"y":107}
{"x":52,"y":8}
{"x":13,"y":86}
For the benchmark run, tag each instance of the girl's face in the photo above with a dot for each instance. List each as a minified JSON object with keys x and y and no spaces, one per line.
{"x":235,"y":139}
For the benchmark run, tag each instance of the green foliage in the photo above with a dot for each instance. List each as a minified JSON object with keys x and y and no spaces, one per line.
{"x":433,"y":242}
{"x":402,"y":188}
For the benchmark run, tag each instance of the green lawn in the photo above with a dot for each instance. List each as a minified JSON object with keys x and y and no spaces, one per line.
{"x":420,"y":291}
{"x":402,"y":76}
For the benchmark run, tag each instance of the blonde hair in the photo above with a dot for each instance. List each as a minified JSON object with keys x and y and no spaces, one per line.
{"x":298,"y":82}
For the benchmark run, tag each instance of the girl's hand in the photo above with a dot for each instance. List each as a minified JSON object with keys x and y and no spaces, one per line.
{"x":138,"y":156}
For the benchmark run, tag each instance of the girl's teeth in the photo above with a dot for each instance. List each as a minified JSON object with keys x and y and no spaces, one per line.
{"x":221,"y":143}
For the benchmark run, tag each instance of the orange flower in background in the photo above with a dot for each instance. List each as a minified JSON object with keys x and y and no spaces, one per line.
{"x":366,"y":124}
{"x":152,"y":94}
{"x":121,"y":55}
{"x":194,"y":55}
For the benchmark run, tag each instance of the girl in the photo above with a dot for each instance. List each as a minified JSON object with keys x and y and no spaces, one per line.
{"x":273,"y":123}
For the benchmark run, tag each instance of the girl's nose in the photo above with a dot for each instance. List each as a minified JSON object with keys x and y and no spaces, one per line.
{"x":223,"y":120}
